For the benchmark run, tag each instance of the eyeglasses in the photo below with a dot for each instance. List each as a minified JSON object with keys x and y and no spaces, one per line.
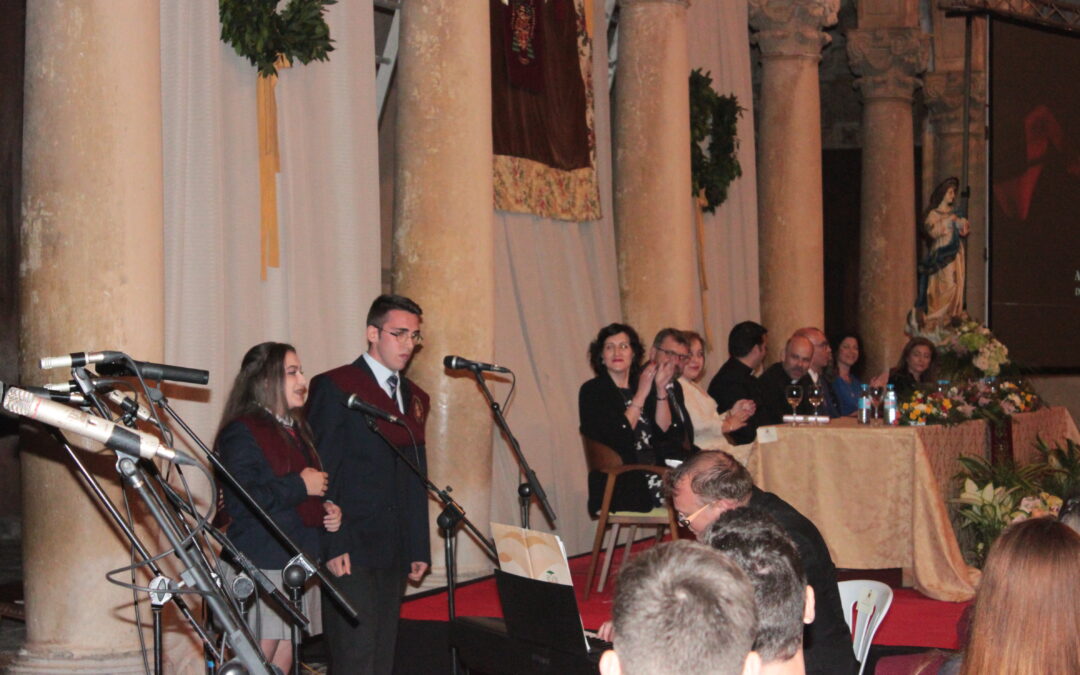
{"x":403,"y":334}
{"x":674,"y":355}
{"x":685,"y":521}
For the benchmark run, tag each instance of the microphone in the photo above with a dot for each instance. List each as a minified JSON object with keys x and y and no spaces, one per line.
{"x":157,"y":371}
{"x":354,"y":402}
{"x":130,"y":406}
{"x":59,"y":396}
{"x":130,"y":441}
{"x":79,"y":359}
{"x":673,"y":403}
{"x":459,"y":363}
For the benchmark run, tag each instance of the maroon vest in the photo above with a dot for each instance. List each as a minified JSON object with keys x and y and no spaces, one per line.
{"x":287,"y":452}
{"x":355,"y":380}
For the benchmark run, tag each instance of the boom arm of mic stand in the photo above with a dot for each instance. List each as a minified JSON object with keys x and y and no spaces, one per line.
{"x":254,"y":572}
{"x":530,"y":475}
{"x":159,"y":399}
{"x":442,"y":495}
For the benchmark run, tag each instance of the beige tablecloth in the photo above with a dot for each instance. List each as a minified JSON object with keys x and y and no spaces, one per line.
{"x":1053,"y":425}
{"x":877,"y":494}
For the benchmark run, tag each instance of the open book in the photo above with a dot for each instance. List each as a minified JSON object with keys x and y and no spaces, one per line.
{"x":531,"y":554}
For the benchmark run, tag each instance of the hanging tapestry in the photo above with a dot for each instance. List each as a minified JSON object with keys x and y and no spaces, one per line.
{"x":542,"y":109}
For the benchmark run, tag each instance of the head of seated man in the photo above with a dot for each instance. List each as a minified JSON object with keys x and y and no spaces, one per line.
{"x":755,"y":542}
{"x":822,"y":349}
{"x":705,"y":486}
{"x":682,"y":608}
{"x":747,"y":342}
{"x":670,"y":345}
{"x":798,"y":355}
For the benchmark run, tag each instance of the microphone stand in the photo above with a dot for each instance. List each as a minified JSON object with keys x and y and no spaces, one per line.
{"x":158,"y":398}
{"x":531,"y":486}
{"x":137,"y":544}
{"x":452,"y":515}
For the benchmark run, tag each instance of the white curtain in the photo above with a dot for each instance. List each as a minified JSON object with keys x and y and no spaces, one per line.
{"x":720,"y":44}
{"x":328,"y":204}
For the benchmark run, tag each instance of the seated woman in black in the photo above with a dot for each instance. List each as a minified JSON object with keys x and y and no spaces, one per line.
{"x":266,"y":445}
{"x":618,"y":408}
{"x":916,"y":367}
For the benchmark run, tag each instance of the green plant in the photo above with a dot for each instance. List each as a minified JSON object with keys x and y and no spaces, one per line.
{"x":259,"y":33}
{"x":1060,"y":467}
{"x":984,"y":512}
{"x":1024,"y":479}
{"x":714,"y":118}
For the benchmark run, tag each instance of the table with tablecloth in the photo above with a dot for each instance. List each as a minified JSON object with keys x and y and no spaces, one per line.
{"x":877,"y":494}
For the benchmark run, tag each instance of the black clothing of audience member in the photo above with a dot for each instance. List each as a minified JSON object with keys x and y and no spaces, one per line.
{"x":827,"y":642}
{"x":733,"y":382}
{"x":774,"y":404}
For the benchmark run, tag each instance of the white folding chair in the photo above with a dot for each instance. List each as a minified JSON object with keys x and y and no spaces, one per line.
{"x":871,"y":600}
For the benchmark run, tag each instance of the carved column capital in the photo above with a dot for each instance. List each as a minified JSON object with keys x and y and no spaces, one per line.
{"x":792,"y":28}
{"x":945,"y":99}
{"x":887,"y":61}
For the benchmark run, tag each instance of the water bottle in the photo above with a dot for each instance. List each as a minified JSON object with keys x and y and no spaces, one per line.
{"x":942,"y":386}
{"x":892,"y":412}
{"x":866,"y":412}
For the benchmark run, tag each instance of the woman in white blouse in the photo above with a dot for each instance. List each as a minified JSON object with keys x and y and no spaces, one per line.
{"x":709,"y":425}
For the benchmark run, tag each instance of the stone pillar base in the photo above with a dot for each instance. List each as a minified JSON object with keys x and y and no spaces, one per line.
{"x":57,"y":663}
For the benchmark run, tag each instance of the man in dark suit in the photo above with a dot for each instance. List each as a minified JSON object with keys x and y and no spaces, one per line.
{"x":822,"y":359}
{"x":712,"y":483}
{"x":735,"y":380}
{"x":792,"y":369}
{"x":383,"y":539}
{"x":670,"y":351}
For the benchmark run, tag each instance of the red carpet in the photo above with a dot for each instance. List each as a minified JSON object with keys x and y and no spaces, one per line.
{"x":913,"y":621}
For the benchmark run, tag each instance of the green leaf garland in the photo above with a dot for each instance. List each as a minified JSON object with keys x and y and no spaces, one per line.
{"x":259,"y":33}
{"x":712,"y":117}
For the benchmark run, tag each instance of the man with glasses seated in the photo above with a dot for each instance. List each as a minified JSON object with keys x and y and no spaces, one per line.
{"x":384,"y":537}
{"x":712,"y":483}
{"x":670,"y":351}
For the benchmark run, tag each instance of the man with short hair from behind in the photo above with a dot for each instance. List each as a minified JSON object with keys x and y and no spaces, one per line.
{"x":735,"y":380}
{"x":682,"y":608}
{"x":755,"y":542}
{"x":711,"y":483}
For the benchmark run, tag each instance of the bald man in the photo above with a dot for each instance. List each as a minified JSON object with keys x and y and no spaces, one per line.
{"x":793,"y":368}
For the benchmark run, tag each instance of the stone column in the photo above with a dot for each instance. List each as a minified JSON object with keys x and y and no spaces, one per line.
{"x":653,"y":201}
{"x":944,"y":93}
{"x":887,"y":61}
{"x":444,"y":240}
{"x":91,"y":278}
{"x":790,"y":220}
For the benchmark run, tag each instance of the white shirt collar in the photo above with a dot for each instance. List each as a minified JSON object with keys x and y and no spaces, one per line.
{"x":382,"y":373}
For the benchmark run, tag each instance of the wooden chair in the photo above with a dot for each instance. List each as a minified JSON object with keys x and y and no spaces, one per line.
{"x":600,"y":457}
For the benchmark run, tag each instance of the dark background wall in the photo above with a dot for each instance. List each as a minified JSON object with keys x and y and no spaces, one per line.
{"x":12,"y":48}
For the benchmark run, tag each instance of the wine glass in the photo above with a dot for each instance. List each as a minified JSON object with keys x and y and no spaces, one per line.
{"x":793,"y":393}
{"x":816,"y":396}
{"x":875,"y":400}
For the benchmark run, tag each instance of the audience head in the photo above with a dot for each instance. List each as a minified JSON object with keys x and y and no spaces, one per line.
{"x":695,"y":366}
{"x":747,"y":341}
{"x":918,"y":359}
{"x":822,"y":349}
{"x":798,"y":355}
{"x":706,"y":485}
{"x":755,"y":542}
{"x":1070,"y":513}
{"x":847,"y":350}
{"x":270,"y":379}
{"x":1026,"y":618}
{"x":682,"y":608}
{"x":393,"y":330}
{"x":616,"y":349}
{"x":670,"y":345}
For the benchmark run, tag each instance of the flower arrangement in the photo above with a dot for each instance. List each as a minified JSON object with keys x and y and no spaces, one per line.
{"x":937,"y":407}
{"x":985,"y":511}
{"x":982,"y":399}
{"x":969,"y":351}
{"x":1037,"y":506}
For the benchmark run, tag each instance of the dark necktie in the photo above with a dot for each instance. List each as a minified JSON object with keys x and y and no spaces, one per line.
{"x":392,"y":382}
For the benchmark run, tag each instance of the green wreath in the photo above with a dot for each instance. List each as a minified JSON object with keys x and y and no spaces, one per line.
{"x":259,"y":33}
{"x":713,"y":117}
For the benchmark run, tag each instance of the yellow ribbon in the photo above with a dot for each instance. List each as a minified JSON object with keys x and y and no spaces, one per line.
{"x":269,"y":166}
